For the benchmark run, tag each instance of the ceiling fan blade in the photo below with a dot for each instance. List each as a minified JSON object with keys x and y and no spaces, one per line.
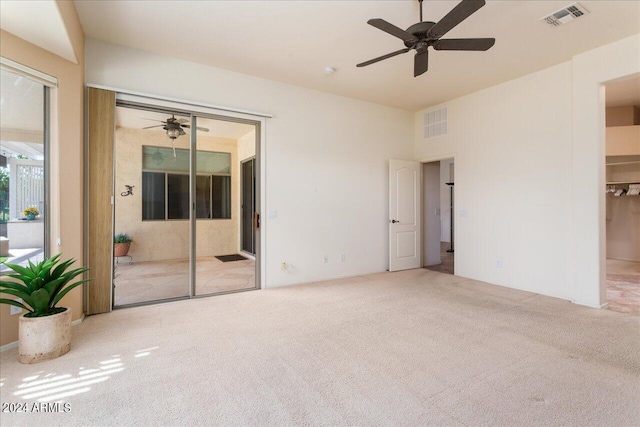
{"x":462,"y":11}
{"x":182,"y":120}
{"x":464,"y":44}
{"x":153,"y":120}
{"x":380,"y":58}
{"x":197,"y":127}
{"x":421,"y":63}
{"x":156,"y":126}
{"x":385,"y":26}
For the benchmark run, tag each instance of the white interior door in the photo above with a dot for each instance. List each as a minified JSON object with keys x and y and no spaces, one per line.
{"x":404,"y":215}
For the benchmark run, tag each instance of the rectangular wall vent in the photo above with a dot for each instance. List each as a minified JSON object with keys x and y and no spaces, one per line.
{"x":565,"y":15}
{"x":435,"y":123}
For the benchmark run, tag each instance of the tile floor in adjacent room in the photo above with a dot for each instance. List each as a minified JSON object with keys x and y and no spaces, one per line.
{"x":446,"y":258}
{"x":623,"y":286}
{"x":157,"y":280}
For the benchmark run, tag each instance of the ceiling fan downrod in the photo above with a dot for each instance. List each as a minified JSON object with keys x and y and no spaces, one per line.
{"x":420,"y":1}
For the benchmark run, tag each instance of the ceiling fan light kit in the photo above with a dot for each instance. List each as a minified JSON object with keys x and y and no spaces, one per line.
{"x":425,"y":34}
{"x":174,"y":128}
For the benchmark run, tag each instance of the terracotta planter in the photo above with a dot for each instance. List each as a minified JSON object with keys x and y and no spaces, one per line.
{"x":44,"y":338}
{"x":121,"y":249}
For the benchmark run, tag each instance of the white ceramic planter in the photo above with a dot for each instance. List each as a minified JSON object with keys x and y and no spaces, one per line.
{"x":44,"y":338}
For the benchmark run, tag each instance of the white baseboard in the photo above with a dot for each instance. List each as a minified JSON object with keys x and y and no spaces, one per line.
{"x":624,"y":259}
{"x":15,"y":343}
{"x":8,"y":346}
{"x":601,"y":306}
{"x":78,"y":321}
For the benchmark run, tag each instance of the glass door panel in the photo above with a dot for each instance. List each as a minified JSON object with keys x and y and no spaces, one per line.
{"x":23,"y":169}
{"x":221,"y":266}
{"x":152,"y":158}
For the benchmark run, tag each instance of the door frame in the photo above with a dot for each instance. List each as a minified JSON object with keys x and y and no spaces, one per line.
{"x":455,"y":203}
{"x":195,"y":110}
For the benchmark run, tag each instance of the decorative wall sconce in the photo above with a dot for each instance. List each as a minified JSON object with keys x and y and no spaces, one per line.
{"x":129,"y":191}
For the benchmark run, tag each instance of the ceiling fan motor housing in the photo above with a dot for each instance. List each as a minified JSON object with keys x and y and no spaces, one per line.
{"x":421,"y":31}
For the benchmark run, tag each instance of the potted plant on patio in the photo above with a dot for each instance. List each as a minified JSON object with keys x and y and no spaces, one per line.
{"x":122,"y":243}
{"x":45,"y":330}
{"x":31,"y":213}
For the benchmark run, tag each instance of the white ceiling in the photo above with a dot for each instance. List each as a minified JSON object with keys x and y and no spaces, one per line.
{"x":138,"y":119}
{"x":38,"y":22}
{"x":21,"y":103}
{"x":293,"y":41}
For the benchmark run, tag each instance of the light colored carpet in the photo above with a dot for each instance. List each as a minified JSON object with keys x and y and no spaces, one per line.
{"x":408,"y":348}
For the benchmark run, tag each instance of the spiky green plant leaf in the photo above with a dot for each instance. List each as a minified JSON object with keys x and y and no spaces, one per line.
{"x":67,"y":289}
{"x":45,"y":284}
{"x":25,"y":296}
{"x":40,"y":301}
{"x":12,"y":302}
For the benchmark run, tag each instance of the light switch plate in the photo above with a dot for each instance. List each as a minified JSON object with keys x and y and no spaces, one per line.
{"x":272,"y":214}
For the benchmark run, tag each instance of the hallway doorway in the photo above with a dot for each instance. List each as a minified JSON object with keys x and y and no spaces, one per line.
{"x":438,"y":215}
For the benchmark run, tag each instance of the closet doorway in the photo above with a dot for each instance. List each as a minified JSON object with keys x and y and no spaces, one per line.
{"x":438,"y":183}
{"x":177,"y":203}
{"x":623,"y":195}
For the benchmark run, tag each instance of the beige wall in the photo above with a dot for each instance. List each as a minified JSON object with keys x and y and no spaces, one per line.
{"x":67,"y":156}
{"x":622,"y":140}
{"x":325,"y":161}
{"x":512,"y":151}
{"x":161,"y":240}
{"x":623,"y":116}
{"x":247,"y":146}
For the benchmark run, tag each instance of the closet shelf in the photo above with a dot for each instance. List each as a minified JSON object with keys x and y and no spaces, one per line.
{"x":631,"y":162}
{"x":622,"y":182}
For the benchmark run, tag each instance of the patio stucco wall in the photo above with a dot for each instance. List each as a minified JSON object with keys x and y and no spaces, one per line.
{"x":164,"y":240}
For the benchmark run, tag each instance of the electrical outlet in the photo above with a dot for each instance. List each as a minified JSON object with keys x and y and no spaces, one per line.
{"x":342,"y":257}
{"x":499,"y":263}
{"x":326,"y":259}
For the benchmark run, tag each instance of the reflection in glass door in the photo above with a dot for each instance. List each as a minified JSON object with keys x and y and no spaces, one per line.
{"x":248,"y":206}
{"x":221,"y":266}
{"x":151,"y":223}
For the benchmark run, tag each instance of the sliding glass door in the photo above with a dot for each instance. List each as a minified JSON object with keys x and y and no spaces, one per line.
{"x":220,"y":265}
{"x":179,"y":205}
{"x":152,"y":215}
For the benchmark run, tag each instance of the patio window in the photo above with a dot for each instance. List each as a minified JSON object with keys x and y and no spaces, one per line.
{"x":165,"y":184}
{"x":23,"y":163}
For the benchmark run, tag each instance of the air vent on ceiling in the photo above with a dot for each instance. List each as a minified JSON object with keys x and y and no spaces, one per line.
{"x":565,"y":15}
{"x":435,"y":123}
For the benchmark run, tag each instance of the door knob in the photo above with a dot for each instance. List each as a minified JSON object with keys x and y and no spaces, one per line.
{"x":393,"y":221}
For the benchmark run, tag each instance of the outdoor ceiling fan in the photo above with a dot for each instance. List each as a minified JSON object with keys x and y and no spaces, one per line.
{"x":426,"y":33}
{"x":174,"y":128}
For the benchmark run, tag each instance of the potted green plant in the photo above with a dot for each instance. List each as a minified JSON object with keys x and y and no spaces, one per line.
{"x":45,"y":330}
{"x":31,"y":212}
{"x":122,"y":243}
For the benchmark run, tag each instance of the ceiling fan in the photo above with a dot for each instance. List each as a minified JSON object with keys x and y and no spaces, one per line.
{"x":426,"y":33}
{"x":174,"y":127}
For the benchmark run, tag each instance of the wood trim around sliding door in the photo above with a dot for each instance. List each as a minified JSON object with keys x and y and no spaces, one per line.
{"x":101,"y":136}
